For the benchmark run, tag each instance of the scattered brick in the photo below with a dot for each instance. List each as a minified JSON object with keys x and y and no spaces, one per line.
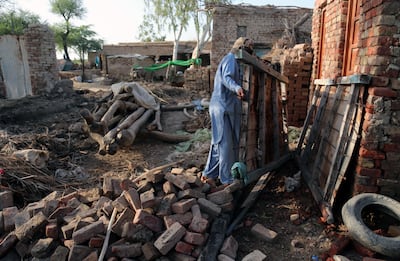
{"x":169,"y":238}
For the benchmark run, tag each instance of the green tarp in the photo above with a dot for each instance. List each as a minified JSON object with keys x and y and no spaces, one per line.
{"x":156,"y":67}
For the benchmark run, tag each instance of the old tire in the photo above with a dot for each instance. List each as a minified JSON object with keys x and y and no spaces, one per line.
{"x":358,"y":230}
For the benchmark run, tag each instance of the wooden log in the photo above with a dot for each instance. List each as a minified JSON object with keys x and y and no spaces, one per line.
{"x":156,"y":169}
{"x":117,"y":107}
{"x":157,"y":121}
{"x":110,"y":135}
{"x":126,"y":137}
{"x":168,"y":137}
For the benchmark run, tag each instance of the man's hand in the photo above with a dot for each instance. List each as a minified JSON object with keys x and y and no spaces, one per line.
{"x":240,"y":93}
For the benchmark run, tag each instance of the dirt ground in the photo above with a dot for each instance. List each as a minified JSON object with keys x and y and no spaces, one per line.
{"x":46,"y":122}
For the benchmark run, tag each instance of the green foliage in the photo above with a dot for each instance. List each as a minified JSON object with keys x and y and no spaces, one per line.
{"x":82,"y":40}
{"x":170,"y":15}
{"x":15,"y":22}
{"x":67,"y":9}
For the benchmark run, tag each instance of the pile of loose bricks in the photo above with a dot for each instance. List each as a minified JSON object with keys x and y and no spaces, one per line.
{"x":296,"y":64}
{"x":160,"y":215}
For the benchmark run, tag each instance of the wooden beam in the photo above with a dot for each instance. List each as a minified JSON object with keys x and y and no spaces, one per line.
{"x":259,"y":65}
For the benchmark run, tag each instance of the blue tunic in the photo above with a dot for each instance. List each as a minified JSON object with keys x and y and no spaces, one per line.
{"x":225,"y":111}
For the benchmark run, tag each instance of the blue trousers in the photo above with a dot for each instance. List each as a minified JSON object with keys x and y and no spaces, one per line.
{"x":222,"y":156}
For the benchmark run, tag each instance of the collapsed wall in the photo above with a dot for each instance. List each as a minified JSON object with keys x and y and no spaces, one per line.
{"x":296,"y":64}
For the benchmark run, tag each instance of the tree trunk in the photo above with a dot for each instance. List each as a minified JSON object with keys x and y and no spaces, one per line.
{"x":127,"y":136}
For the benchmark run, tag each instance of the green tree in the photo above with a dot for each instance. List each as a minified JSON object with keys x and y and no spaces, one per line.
{"x":68,"y":9}
{"x":15,"y":22}
{"x":149,"y":29}
{"x":82,"y":41}
{"x":170,"y":15}
{"x":202,"y":19}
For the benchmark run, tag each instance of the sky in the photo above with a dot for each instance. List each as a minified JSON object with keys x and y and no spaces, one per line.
{"x":117,"y":21}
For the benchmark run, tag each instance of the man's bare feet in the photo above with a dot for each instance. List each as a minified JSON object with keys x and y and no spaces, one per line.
{"x":210,"y":181}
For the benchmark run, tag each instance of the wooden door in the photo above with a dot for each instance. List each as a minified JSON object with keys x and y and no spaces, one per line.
{"x":352,"y":37}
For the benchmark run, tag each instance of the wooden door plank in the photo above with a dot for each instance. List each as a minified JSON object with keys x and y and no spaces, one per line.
{"x":346,"y":145}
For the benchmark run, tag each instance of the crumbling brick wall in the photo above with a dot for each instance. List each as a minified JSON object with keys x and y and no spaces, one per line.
{"x":378,"y":55}
{"x":42,"y":59}
{"x":296,"y":64}
{"x":197,"y":79}
{"x":264,"y":24}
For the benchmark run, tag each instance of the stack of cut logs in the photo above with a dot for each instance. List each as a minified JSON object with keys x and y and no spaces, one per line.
{"x":121,"y":115}
{"x":163,"y":214}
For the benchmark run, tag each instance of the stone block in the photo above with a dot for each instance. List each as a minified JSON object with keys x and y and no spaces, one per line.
{"x":230,"y":247}
{"x":255,"y":255}
{"x":263,"y":233}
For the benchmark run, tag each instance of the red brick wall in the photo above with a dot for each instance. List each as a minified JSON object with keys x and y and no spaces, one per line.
{"x":378,"y":161}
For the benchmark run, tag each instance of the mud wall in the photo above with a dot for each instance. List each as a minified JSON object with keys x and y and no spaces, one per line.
{"x":30,"y":67}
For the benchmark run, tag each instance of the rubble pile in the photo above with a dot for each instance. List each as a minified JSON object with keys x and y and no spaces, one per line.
{"x":158,"y":214}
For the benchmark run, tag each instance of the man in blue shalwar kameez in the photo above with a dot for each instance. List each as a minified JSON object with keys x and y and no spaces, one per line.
{"x":225,"y":112}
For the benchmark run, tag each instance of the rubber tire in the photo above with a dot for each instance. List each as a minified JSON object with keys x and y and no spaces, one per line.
{"x":358,"y":230}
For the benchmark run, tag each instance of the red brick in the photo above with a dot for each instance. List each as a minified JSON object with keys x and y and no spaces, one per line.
{"x":382,"y":92}
{"x":91,"y":257}
{"x":371,"y":154}
{"x":96,"y":242}
{"x":154,"y":223}
{"x":199,"y":224}
{"x":183,"y":205}
{"x":338,"y":245}
{"x":133,"y":198}
{"x":167,"y":240}
{"x":363,"y":251}
{"x":127,"y":250}
{"x":363,"y":189}
{"x":169,"y":188}
{"x":184,"y":248}
{"x":391,"y":147}
{"x":193,"y":238}
{"x":84,"y":234}
{"x":376,"y":173}
{"x":147,"y":199}
{"x":52,"y":231}
{"x":183,"y":219}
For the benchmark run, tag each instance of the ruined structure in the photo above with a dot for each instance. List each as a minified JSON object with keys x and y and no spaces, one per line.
{"x":356,"y":48}
{"x":28,"y":64}
{"x":275,"y":30}
{"x":118,"y":60}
